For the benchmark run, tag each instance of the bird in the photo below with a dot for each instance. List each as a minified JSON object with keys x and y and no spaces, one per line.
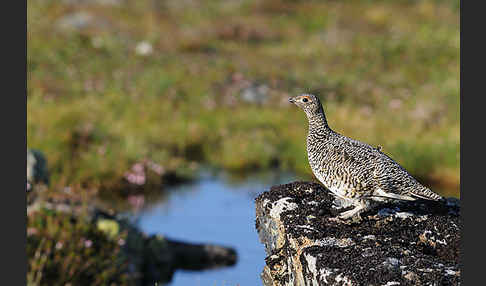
{"x":353,"y":170}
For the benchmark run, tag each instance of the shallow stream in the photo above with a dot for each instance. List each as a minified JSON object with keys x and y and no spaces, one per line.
{"x":218,"y":210}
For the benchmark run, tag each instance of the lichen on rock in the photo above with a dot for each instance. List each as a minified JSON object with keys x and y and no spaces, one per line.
{"x":406,"y":243}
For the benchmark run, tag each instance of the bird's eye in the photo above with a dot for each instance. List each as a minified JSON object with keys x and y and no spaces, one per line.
{"x":305,"y":99}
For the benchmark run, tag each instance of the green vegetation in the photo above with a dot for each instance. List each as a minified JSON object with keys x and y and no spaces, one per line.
{"x":64,"y":249}
{"x":387,"y":71}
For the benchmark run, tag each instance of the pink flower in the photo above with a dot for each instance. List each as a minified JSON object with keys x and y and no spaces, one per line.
{"x":88,"y":243}
{"x":121,"y":242}
{"x":136,"y":179}
{"x":31,"y":231}
{"x":138,"y":168}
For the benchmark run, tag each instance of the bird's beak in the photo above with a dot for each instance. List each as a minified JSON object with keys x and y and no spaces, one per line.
{"x":291,"y":99}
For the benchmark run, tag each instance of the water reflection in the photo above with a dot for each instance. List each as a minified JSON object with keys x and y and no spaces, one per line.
{"x":215,"y":209}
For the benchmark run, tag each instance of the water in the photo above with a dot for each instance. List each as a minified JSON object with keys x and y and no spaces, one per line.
{"x":216,"y":210}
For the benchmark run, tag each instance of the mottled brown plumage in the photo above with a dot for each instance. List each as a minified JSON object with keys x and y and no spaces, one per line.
{"x":353,"y":170}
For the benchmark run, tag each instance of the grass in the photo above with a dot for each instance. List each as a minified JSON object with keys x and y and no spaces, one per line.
{"x":387,"y":71}
{"x":63,"y":249}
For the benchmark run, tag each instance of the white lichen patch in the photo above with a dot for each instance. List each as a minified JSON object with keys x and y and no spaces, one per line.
{"x":331,"y":241}
{"x":403,"y":215}
{"x":265,"y":202}
{"x":451,"y":272}
{"x":391,"y":283}
{"x":328,"y":275}
{"x":343,"y":280}
{"x":367,"y":252}
{"x":370,"y":237}
{"x":395,"y":212}
{"x":324,"y":275}
{"x":306,"y":227}
{"x":309,"y":191}
{"x":280,"y":206}
{"x":428,"y":237}
{"x":441,"y":241}
{"x":311,"y":263}
{"x":422,"y":218}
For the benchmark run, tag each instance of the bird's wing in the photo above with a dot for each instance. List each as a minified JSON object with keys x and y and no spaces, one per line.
{"x":354,"y":159}
{"x":371,"y":168}
{"x":394,"y":180}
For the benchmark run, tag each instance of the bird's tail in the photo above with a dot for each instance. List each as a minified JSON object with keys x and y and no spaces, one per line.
{"x":427,"y":194}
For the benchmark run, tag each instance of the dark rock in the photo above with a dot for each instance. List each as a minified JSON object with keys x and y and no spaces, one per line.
{"x":201,"y":256}
{"x":407,"y":243}
{"x":37,"y":172}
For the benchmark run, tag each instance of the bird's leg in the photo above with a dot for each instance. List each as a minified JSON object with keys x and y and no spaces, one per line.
{"x":360,"y":207}
{"x":349,"y":214}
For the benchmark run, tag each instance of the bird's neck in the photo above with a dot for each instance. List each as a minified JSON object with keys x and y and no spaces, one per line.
{"x":318,"y":123}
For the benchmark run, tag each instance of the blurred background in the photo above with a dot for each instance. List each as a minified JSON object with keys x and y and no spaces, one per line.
{"x":162,"y":120}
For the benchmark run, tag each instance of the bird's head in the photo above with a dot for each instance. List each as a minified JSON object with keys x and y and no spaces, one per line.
{"x":308,"y":102}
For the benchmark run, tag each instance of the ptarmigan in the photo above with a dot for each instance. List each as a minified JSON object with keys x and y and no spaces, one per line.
{"x":353,"y":170}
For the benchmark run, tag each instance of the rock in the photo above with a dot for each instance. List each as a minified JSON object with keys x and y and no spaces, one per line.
{"x":152,"y":258}
{"x":255,"y":93}
{"x":409,"y":243}
{"x":201,"y":256}
{"x":144,"y":48}
{"x":36,"y":168}
{"x":81,"y":20}
{"x":163,"y":256}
